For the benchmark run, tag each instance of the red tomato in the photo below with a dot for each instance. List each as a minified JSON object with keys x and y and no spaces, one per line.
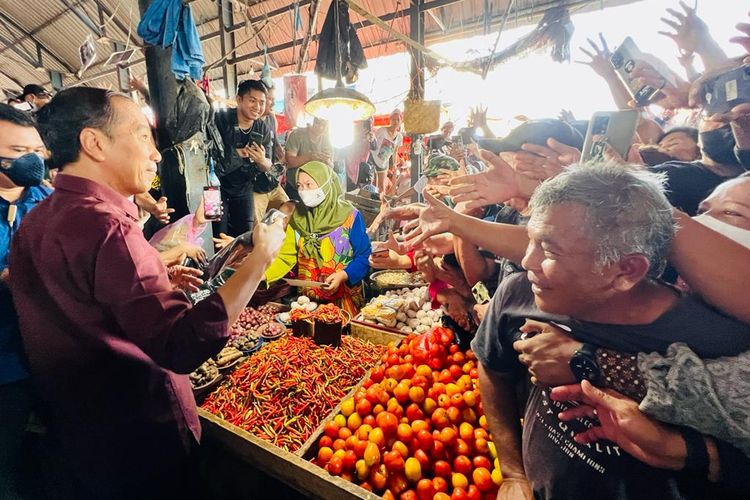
{"x":438,"y":450}
{"x":408,"y":495}
{"x":457,"y":400}
{"x":401,"y":393}
{"x":425,"y":489}
{"x":335,"y":466}
{"x":350,"y":458}
{"x":442,"y":468}
{"x":425,"y":440}
{"x":481,"y":461}
{"x":325,"y":441}
{"x":331,"y":429}
{"x":440,"y":484}
{"x":459,"y":494}
{"x":393,"y":461}
{"x":440,"y":495}
{"x":388,"y":422}
{"x":424,"y":460}
{"x":364,"y":407}
{"x":463,"y":465}
{"x":474,"y":493}
{"x":397,"y":483}
{"x":377,"y":374}
{"x":420,"y":380}
{"x":454,"y":415}
{"x":378,"y":477}
{"x":455,"y":372}
{"x":439,"y":417}
{"x":339,"y":444}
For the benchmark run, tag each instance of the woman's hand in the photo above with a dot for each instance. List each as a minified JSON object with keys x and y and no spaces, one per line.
{"x":621,"y":422}
{"x":389,"y":260}
{"x":334,"y":281}
{"x":195,"y":252}
{"x":222,"y":241}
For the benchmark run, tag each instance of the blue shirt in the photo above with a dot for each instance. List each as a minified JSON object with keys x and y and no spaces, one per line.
{"x":12,"y":360}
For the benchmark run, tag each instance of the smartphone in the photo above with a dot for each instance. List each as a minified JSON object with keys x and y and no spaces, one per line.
{"x":420,"y":184}
{"x":212,"y":203}
{"x":272,"y":216}
{"x":616,"y":128}
{"x":723,"y":92}
{"x":480,"y":293}
{"x":256,"y":138}
{"x":624,"y":60}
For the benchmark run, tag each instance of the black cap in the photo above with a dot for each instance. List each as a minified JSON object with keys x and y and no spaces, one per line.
{"x":34,"y":89}
{"x":534,"y":132}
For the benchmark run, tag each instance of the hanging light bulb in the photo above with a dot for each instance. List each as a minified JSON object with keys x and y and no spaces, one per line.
{"x":339,"y":103}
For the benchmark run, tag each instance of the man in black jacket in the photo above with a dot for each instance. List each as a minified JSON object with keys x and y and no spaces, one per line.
{"x":247,"y":155}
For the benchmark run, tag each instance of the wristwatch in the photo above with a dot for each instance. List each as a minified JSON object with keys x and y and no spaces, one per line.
{"x":583,"y":364}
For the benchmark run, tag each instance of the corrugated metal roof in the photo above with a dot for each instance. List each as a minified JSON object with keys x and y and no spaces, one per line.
{"x":57,"y":25}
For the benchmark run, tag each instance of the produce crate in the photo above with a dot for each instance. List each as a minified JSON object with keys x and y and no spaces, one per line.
{"x":290,"y":468}
{"x":362,"y":327}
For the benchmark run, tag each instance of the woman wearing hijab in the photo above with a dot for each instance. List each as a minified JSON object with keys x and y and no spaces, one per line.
{"x":332,"y":243}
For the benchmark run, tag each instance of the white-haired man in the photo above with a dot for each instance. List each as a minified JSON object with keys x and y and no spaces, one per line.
{"x":598,"y":240}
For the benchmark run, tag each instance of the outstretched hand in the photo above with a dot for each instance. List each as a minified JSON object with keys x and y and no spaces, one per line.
{"x":690,"y":31}
{"x":544,"y":162}
{"x":622,"y":422}
{"x":598,"y":57}
{"x":433,"y":219}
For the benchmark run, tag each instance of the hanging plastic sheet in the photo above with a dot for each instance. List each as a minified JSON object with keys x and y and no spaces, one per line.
{"x":295,"y":97}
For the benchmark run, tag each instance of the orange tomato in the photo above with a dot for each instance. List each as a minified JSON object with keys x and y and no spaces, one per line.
{"x":378,"y":409}
{"x":401,"y":392}
{"x":445,"y":376}
{"x":466,"y":431}
{"x":482,"y":479}
{"x":388,"y":495}
{"x":457,"y":400}
{"x":448,"y":436}
{"x":401,"y":448}
{"x":424,"y":371}
{"x":324,"y":456}
{"x":345,"y":433}
{"x":413,"y":469}
{"x":378,"y":477}
{"x":419,"y":425}
{"x":444,"y":401}
{"x":339,"y":444}
{"x":408,"y":495}
{"x":369,"y":420}
{"x":481,"y":445}
{"x":377,"y":436}
{"x":372,"y":454}
{"x":361,"y":469}
{"x":404,"y":432}
{"x":462,"y":447}
{"x":423,"y":459}
{"x":481,"y":434}
{"x":353,"y":422}
{"x":441,"y":495}
{"x":429,"y":406}
{"x":459,"y":480}
{"x":469,"y":415}
{"x":440,"y":418}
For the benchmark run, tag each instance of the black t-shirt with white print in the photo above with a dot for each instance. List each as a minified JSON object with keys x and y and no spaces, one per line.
{"x":558,"y":467}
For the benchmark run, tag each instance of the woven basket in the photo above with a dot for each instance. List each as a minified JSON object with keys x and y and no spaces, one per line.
{"x":421,"y":117}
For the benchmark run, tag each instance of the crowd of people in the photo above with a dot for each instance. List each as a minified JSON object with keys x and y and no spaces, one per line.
{"x":603,"y":299}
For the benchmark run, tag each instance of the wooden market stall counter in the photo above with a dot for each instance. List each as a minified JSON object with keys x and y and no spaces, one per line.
{"x":250,"y":454}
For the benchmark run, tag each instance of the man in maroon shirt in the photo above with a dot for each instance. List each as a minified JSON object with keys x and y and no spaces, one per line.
{"x":109,"y":338}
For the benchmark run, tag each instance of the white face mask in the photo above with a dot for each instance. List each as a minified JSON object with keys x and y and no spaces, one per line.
{"x":313,"y":197}
{"x":734,"y":233}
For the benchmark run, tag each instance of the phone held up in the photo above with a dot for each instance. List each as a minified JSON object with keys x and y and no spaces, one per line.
{"x":624,"y":60}
{"x":212,"y":203}
{"x":723,"y":92}
{"x":615,"y":128}
{"x":242,"y":139}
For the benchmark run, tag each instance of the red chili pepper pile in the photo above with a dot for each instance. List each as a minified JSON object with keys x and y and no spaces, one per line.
{"x":283,"y":392}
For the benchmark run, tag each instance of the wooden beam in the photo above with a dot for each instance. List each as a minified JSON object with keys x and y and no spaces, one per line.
{"x":311,"y":25}
{"x":39,"y":44}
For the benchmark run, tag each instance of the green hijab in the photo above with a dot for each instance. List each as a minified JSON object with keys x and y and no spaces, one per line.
{"x":312,"y":223}
{"x":437,"y":162}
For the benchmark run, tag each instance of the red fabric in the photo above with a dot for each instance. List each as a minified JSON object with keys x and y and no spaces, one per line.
{"x":434,"y":289}
{"x":106,"y":335}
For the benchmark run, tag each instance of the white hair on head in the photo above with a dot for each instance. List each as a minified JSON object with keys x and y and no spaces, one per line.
{"x":626,"y":210}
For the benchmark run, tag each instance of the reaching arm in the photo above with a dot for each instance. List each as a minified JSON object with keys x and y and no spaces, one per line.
{"x":720,"y":281}
{"x":476,"y":267}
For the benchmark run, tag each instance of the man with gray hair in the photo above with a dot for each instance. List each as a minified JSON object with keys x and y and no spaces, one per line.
{"x":598,"y":241}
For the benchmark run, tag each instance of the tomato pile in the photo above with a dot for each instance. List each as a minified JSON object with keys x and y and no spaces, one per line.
{"x":416,"y":429}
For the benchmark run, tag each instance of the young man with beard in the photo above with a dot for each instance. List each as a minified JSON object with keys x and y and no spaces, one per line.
{"x":109,"y":333}
{"x":247,"y":155}
{"x":598,"y":241}
{"x":21,"y":173}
